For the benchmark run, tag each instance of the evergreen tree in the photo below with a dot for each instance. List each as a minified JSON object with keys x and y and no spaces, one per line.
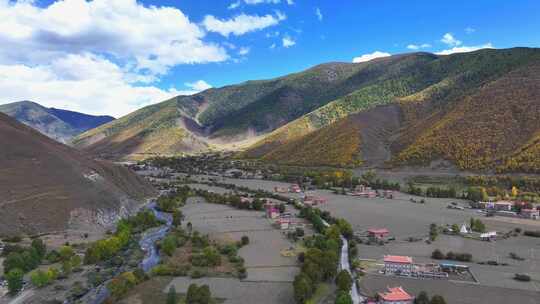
{"x":14,"y":280}
{"x":171,"y":296}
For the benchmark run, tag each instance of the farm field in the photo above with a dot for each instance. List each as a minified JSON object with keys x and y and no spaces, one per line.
{"x":406,"y":219}
{"x":240,"y":292}
{"x":267,"y":268}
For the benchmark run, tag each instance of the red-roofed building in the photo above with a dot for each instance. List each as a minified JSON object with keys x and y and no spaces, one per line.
{"x":313,"y":200}
{"x":397,"y":264}
{"x":378,"y":233}
{"x":395,"y":295}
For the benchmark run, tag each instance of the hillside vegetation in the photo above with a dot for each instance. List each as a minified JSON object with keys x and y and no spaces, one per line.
{"x":478,"y":110}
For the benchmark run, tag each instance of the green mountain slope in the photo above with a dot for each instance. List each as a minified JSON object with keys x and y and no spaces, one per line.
{"x":400,"y":110}
{"x":58,"y":124}
{"x":439,"y":100}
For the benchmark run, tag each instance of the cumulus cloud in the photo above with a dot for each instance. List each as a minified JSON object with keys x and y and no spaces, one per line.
{"x":79,"y":82}
{"x":150,"y":38}
{"x":465,"y":49}
{"x":99,"y":56}
{"x":241,"y":24}
{"x":418,"y":46}
{"x":318,"y":13}
{"x":450,"y":40}
{"x":368,"y":57}
{"x":287,"y":42}
{"x":198,"y":86}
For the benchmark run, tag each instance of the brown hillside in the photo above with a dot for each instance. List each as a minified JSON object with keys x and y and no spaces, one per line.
{"x":479,"y":130}
{"x":45,"y":185}
{"x":343,"y":143}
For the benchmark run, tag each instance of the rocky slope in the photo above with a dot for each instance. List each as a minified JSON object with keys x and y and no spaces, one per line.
{"x":61,"y":125}
{"x":46,"y":186}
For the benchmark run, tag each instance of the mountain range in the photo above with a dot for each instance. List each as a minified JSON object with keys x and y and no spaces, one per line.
{"x":61,"y":125}
{"x":46,"y":186}
{"x":475,"y":111}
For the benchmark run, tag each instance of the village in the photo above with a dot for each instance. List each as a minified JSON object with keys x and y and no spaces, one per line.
{"x":397,"y":254}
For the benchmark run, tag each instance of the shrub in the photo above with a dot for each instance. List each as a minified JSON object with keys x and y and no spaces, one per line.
{"x":14,"y":280}
{"x":437,"y":255}
{"x":245,"y":240}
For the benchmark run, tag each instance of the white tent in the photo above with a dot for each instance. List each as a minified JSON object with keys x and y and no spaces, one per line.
{"x":463,"y":229}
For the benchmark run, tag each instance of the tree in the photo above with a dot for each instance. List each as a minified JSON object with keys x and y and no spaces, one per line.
{"x":455,"y":228}
{"x":14,"y":280}
{"x":178,"y":217}
{"x":245,"y":240}
{"x":171,"y":296}
{"x":39,"y":246}
{"x":303,"y":288}
{"x":66,"y":252}
{"x":437,"y":299}
{"x":39,"y":278}
{"x":343,"y":297}
{"x":514,"y":191}
{"x":198,"y":295}
{"x":421,"y":298}
{"x":313,"y":271}
{"x":437,"y":255}
{"x":169,"y":245}
{"x":67,"y":267}
{"x":344,"y":280}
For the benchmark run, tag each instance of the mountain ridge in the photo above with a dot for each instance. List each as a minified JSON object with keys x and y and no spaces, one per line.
{"x":59,"y":124}
{"x":292,"y":112}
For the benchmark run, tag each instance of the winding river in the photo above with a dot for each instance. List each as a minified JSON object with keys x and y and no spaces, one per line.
{"x":151,"y":258}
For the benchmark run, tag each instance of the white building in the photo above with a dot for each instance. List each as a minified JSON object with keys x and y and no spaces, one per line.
{"x":396,"y":264}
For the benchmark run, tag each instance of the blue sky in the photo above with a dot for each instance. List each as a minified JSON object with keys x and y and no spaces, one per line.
{"x":114,"y":56}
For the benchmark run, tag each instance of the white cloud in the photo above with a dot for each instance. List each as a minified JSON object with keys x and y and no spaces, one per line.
{"x":241,"y":24}
{"x":94,"y":56}
{"x":150,"y":38}
{"x":449,"y":39}
{"x":318,"y":13}
{"x":82,"y":82}
{"x":198,"y":86}
{"x":417,"y":47}
{"x":368,"y":57}
{"x":290,"y":2}
{"x":465,"y":49}
{"x":470,"y":30}
{"x":234,"y":5}
{"x":244,"y":51}
{"x":287,"y":41}
{"x":273,"y":46}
